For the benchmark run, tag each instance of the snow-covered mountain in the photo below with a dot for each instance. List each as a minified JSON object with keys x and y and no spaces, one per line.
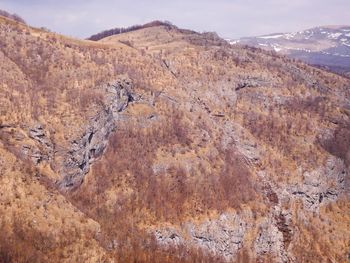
{"x":326,"y":46}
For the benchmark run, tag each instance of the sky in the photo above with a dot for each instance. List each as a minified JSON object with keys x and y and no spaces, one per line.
{"x":229,"y":18}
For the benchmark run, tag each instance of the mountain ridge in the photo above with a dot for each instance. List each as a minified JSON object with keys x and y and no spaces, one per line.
{"x":324,"y":46}
{"x":121,"y":30}
{"x":162,"y":146}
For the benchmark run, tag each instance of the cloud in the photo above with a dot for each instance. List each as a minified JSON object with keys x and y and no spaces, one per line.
{"x":230,"y":18}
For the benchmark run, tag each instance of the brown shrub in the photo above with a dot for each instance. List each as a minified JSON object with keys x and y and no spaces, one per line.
{"x":339,"y":144}
{"x":166,"y":195}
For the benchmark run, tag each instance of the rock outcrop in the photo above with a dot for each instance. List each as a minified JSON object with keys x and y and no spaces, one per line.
{"x":223,"y":236}
{"x":270,"y":241}
{"x":91,"y":144}
{"x":322,"y":185}
{"x":45,"y":149}
{"x":230,"y":152}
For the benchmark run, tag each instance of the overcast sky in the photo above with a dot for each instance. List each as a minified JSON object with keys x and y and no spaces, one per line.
{"x":229,"y":18}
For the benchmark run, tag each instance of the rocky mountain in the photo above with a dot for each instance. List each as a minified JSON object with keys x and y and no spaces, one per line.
{"x":166,"y":145}
{"x":327,"y":46}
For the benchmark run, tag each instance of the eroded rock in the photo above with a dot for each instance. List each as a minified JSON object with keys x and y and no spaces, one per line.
{"x":42,"y":147}
{"x":222,"y":237}
{"x":321,"y":185}
{"x":270,"y":241}
{"x":168,"y":237}
{"x":92,"y":143}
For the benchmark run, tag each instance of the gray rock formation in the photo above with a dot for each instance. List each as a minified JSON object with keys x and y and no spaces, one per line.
{"x":321,"y":185}
{"x":85,"y":149}
{"x":35,"y":154}
{"x":247,"y":146}
{"x":222,"y":237}
{"x":37,"y":133}
{"x":252,"y":82}
{"x":42,"y":149}
{"x":308,"y":79}
{"x":270,"y":241}
{"x":75,"y":160}
{"x":168,"y":237}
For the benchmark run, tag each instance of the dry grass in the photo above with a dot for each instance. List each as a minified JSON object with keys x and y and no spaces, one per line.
{"x":172,"y":158}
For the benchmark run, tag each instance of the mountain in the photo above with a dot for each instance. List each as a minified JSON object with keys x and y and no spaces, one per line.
{"x":327,"y":46}
{"x":167,"y":145}
{"x":12,"y":16}
{"x":120,"y":30}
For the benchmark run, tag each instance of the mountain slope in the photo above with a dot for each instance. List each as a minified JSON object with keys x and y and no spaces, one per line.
{"x":165,"y":145}
{"x":327,"y":46}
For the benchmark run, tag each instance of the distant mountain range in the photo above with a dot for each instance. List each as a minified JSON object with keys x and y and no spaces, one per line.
{"x":325,"y":46}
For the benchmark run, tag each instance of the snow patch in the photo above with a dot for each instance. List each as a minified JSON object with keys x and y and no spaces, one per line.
{"x":290,"y":35}
{"x":232,"y":42}
{"x":335,"y":54}
{"x":334,"y":35}
{"x":271,"y":36}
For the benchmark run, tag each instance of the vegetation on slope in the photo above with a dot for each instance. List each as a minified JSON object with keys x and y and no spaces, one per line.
{"x":12,"y":16}
{"x":121,"y":30}
{"x":215,"y":131}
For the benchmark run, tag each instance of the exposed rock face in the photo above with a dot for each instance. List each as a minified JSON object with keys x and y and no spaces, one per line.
{"x":92,"y":143}
{"x":225,"y":235}
{"x":232,"y":152}
{"x":37,"y":133}
{"x":43,"y":150}
{"x":322,"y":185}
{"x":168,"y":237}
{"x":222,"y":237}
{"x":252,"y":82}
{"x":36,"y":155}
{"x":247,"y":147}
{"x":85,"y":149}
{"x":270,"y":241}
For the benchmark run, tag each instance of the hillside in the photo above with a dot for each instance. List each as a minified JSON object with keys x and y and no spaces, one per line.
{"x":166,"y":145}
{"x":326,"y":46}
{"x":12,"y":16}
{"x":121,"y":30}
